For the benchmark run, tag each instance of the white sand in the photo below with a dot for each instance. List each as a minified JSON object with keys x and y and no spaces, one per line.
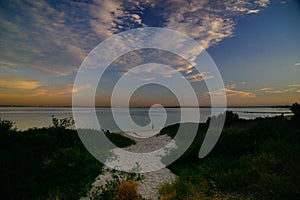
{"x":148,"y":187}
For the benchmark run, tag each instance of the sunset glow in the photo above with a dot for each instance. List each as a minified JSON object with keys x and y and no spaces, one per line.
{"x":256,"y":47}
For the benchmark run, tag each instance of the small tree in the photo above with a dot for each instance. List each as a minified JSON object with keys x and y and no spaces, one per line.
{"x":231,"y":117}
{"x":295,"y":108}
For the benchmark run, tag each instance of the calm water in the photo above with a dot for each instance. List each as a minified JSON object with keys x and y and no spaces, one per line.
{"x":28,"y":117}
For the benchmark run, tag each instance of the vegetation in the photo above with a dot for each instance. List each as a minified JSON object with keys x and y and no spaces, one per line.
{"x":6,"y":126}
{"x":47,"y":163}
{"x":122,"y":186}
{"x":296,"y":110}
{"x":253,"y":159}
{"x":62,"y":123}
{"x":127,"y":191}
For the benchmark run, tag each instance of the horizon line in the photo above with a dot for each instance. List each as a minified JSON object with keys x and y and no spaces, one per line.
{"x":167,"y":106}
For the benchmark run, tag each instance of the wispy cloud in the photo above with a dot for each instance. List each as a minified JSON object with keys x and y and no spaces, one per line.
{"x":53,"y":91}
{"x":276,"y":91}
{"x":264,"y":89}
{"x":198,"y":77}
{"x":253,"y":11}
{"x":263,"y":3}
{"x":237,"y":93}
{"x":297,"y":64}
{"x":83,"y":87}
{"x":59,"y":94}
{"x":154,"y":69}
{"x":294,"y":85}
{"x":19,"y":84}
{"x":32,"y":89}
{"x":42,"y":38}
{"x":231,"y":92}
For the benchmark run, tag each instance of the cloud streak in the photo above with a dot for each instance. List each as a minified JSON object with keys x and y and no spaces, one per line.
{"x":19,"y":84}
{"x":41,"y":37}
{"x":297,"y":64}
{"x":275,"y":91}
{"x":231,"y":92}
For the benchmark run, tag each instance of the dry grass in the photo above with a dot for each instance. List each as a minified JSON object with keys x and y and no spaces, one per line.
{"x":127,"y":191}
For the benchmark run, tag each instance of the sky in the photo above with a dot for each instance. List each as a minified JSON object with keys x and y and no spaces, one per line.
{"x":254,"y":44}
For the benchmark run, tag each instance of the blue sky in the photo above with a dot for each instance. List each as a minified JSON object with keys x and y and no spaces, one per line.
{"x":254,"y":44}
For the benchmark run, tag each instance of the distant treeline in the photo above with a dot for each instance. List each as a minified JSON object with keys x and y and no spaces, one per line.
{"x":70,"y":106}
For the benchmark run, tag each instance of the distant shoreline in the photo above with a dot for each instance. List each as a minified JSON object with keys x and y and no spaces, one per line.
{"x":45,"y":106}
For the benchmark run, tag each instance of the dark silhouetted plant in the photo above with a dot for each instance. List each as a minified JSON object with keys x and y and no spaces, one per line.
{"x":6,"y":125}
{"x":295,"y":108}
{"x":62,"y":123}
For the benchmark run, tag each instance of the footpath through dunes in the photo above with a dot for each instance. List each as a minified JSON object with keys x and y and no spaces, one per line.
{"x":150,"y":183}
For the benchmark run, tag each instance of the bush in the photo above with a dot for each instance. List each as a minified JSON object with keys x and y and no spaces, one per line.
{"x":127,"y":191}
{"x":62,"y":123}
{"x":6,"y":125}
{"x":295,"y":108}
{"x":109,"y":191}
{"x":253,"y":159}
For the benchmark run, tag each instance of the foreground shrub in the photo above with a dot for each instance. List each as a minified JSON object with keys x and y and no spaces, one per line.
{"x":109,"y":190}
{"x":127,"y":191}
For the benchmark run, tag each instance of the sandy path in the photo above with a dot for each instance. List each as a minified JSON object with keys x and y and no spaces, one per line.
{"x":148,"y":187}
